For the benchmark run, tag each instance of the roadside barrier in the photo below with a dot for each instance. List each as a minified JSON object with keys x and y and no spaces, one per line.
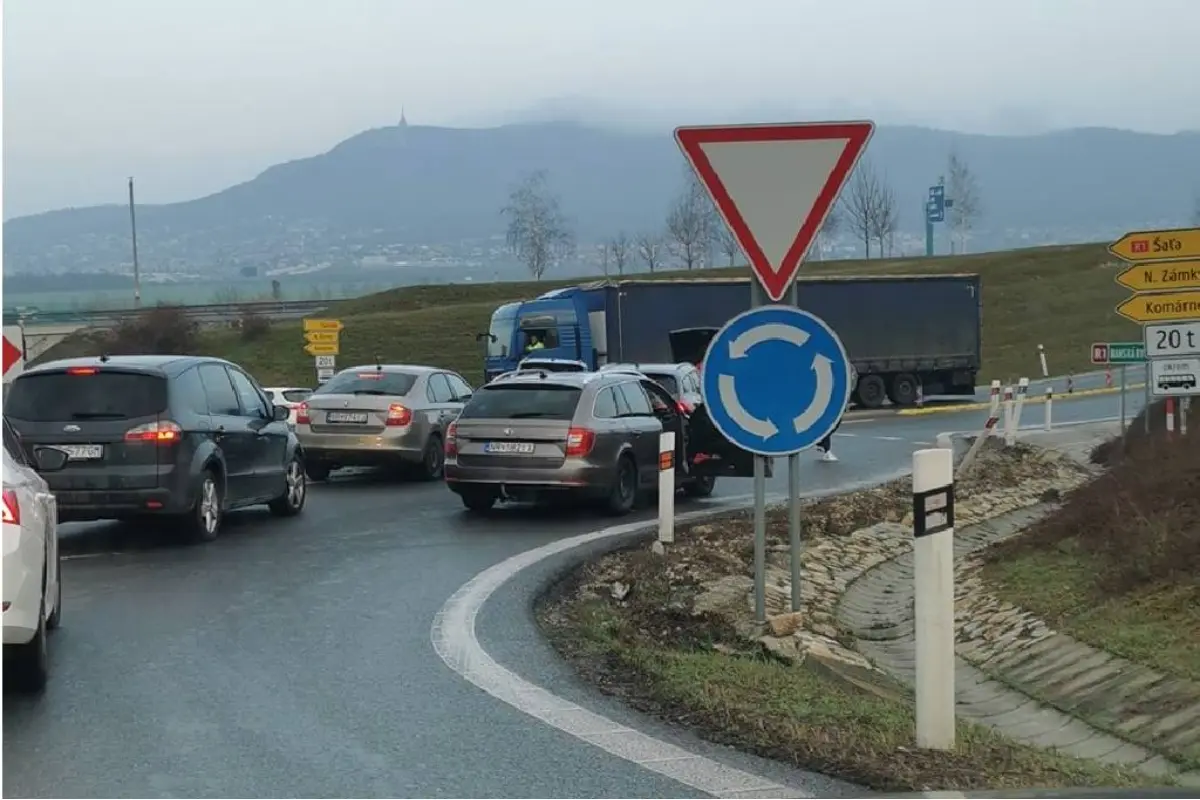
{"x":666,"y":487}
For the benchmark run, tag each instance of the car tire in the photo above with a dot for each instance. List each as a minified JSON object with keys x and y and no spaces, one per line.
{"x":30,"y":664}
{"x":700,"y":487}
{"x":622,"y":497}
{"x":56,"y":615}
{"x":478,"y":499}
{"x":433,"y":460}
{"x":295,"y":490}
{"x":316,"y":471}
{"x":203,"y":522}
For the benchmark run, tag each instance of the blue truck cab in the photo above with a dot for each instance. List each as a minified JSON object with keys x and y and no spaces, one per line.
{"x":553,"y":325}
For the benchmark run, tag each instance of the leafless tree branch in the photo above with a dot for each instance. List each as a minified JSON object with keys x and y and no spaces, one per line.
{"x":537,"y":230}
{"x":690,"y":223}
{"x":619,"y":247}
{"x":962,"y":190}
{"x":885,"y":217}
{"x":650,"y":248}
{"x":862,"y":204}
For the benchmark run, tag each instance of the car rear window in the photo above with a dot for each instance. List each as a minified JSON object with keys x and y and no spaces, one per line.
{"x":296,"y":395}
{"x":102,"y":394}
{"x":666,"y":380}
{"x":522,"y":402}
{"x":369,"y":382}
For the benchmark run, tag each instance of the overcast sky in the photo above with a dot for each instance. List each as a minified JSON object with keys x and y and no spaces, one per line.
{"x":190,"y":96}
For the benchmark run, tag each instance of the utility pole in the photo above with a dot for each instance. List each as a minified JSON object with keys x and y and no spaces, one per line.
{"x":137,"y":277}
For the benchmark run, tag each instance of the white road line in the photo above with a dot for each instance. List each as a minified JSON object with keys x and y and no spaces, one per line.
{"x":454,"y":639}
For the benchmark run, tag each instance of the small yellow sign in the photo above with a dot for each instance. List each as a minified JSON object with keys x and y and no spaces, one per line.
{"x":1162,"y":307}
{"x":322,"y":348}
{"x":1161,"y":277}
{"x":321,"y":337}
{"x":1152,"y":246}
{"x":334,"y":325}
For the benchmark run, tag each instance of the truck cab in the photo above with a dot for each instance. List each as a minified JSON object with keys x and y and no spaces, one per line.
{"x":553,"y":326}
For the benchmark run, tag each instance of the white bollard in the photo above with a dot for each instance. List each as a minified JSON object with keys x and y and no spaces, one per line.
{"x":1018,"y":407}
{"x":1042,"y":359}
{"x":1049,"y":406}
{"x":1185,"y":408}
{"x":933,"y":579}
{"x":1169,"y":405}
{"x":994,"y":400}
{"x":1009,"y":434}
{"x":666,"y":487}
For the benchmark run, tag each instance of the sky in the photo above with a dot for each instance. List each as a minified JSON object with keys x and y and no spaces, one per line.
{"x":191,"y":96}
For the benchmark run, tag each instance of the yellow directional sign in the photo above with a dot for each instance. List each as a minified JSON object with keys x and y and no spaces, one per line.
{"x":321,"y":337}
{"x":1162,"y":307}
{"x":321,"y":349}
{"x":1150,"y":246}
{"x":1161,"y":277}
{"x":334,"y":325}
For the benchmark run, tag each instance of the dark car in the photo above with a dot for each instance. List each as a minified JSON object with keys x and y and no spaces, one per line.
{"x":681,"y":379}
{"x":182,"y":437}
{"x":532,"y":435}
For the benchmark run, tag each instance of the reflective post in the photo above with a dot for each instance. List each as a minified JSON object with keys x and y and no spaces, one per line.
{"x":666,"y":487}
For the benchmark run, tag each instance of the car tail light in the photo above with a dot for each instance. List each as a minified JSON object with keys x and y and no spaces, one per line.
{"x":579,"y":442}
{"x":12,"y":509}
{"x":162,"y":432}
{"x":684,"y":407}
{"x":82,"y":370}
{"x":398,"y":415}
{"x":302,"y":417}
{"x":451,"y":446}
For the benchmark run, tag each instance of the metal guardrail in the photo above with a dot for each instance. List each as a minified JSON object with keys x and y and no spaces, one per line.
{"x":213,"y":312}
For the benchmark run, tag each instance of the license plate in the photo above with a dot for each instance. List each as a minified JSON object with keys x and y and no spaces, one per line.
{"x":346,"y":417}
{"x":517,"y":448}
{"x":82,"y":452}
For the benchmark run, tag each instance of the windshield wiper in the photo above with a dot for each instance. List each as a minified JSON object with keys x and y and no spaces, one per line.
{"x":97,"y":415}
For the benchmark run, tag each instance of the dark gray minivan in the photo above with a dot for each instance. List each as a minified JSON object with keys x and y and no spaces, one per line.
{"x":183,"y":437}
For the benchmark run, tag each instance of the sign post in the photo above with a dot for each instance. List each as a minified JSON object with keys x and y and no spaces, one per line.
{"x":1120,"y":354}
{"x":774,"y":185}
{"x":322,"y":339}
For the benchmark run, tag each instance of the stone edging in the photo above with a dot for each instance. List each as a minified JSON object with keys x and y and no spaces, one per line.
{"x":877,"y":609}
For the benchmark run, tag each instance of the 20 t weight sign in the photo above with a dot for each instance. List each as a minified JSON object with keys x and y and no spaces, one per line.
{"x":1173,"y":340}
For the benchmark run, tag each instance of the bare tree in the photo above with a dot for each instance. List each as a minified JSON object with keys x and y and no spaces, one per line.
{"x":689,"y":223}
{"x":605,"y":256}
{"x":862,"y":204}
{"x":829,"y":230}
{"x":618,"y":248}
{"x":884,"y":218}
{"x":962,"y":190}
{"x":651,"y":248}
{"x":727,"y":243}
{"x":537,"y":230}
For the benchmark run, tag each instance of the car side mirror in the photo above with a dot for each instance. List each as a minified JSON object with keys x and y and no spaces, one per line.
{"x":49,"y":459}
{"x":282,"y":413}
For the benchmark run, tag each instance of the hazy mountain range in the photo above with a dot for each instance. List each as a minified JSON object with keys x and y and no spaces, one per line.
{"x":415,"y":185}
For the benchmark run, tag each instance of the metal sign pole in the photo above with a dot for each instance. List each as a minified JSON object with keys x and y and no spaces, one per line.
{"x":1124,"y":386}
{"x":794,"y":539}
{"x":1149,"y":400}
{"x":758,"y":298}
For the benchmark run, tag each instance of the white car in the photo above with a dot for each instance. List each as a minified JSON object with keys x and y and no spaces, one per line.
{"x":32,"y":587}
{"x":290,"y":396}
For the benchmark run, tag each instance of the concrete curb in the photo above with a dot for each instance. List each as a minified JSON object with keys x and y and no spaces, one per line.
{"x":1029,"y":400}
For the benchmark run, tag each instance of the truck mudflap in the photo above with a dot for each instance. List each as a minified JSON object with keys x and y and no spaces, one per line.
{"x":711,"y":454}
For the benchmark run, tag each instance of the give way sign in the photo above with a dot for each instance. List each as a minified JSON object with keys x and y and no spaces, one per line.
{"x":13,"y":348}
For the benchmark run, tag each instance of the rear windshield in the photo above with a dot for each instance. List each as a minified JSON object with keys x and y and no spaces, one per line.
{"x":522,"y":402}
{"x":296,"y":395}
{"x":666,"y":380}
{"x":60,"y":396}
{"x":369,"y":382}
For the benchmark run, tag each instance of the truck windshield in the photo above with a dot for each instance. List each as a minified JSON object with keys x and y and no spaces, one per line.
{"x":501,"y":332}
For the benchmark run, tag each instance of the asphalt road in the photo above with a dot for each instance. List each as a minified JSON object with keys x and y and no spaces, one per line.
{"x":293,"y":657}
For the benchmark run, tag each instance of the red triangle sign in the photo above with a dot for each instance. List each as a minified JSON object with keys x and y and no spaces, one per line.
{"x":12,"y":355}
{"x":774,"y":185}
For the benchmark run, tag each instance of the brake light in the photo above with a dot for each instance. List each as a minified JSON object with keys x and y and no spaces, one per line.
{"x":302,"y":417}
{"x":398,"y":415}
{"x":684,"y":407}
{"x":451,"y":447}
{"x":82,"y":370}
{"x":164,"y":432}
{"x":579,"y":442}
{"x":12,"y":509}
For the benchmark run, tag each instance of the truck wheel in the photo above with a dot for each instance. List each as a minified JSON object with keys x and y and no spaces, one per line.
{"x":904,"y":389}
{"x":871,"y":391}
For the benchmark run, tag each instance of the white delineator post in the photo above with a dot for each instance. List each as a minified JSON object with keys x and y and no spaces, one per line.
{"x":1042,"y":359}
{"x":988,"y":427}
{"x":666,"y":487}
{"x":1008,"y":415}
{"x":933,"y":578}
{"x":1018,"y":407}
{"x":1169,"y":405}
{"x":1049,"y":406}
{"x":994,"y":400}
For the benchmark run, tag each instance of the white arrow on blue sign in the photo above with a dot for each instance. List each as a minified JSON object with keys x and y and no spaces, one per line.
{"x":776,"y":380}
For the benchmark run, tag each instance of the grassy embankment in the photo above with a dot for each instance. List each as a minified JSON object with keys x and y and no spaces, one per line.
{"x":1062,"y":297}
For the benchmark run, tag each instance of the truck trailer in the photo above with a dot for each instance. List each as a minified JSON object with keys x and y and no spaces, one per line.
{"x":905,"y":335}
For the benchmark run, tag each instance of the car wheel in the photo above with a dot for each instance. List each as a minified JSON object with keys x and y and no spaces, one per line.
{"x":56,"y":615}
{"x":30,"y":665}
{"x":433,"y":459}
{"x":479,"y":499}
{"x":316,"y":471}
{"x":700,"y":487}
{"x":295,"y":491}
{"x":204,"y":521}
{"x":623,"y":495}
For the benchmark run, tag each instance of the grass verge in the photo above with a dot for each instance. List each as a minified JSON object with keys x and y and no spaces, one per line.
{"x":1062,"y":297}
{"x":694,"y":670}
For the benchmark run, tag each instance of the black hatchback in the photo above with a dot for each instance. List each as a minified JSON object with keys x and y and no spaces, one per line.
{"x":182,"y":437}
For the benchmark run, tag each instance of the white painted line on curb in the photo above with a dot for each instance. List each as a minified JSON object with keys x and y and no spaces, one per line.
{"x":454,"y":639}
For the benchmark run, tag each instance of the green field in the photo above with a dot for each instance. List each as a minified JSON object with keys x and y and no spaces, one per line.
{"x":1062,"y":297}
